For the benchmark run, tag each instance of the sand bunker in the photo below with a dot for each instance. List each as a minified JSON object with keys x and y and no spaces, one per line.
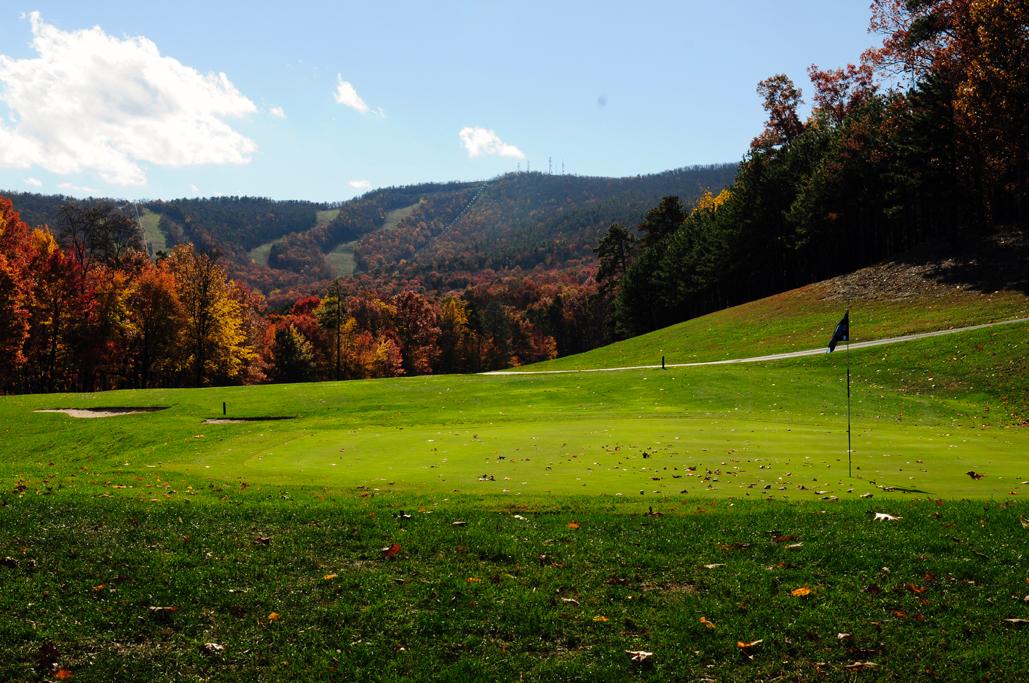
{"x":241,"y":420}
{"x":102,"y":412}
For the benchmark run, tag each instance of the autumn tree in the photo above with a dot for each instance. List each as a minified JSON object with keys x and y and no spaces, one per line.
{"x":156,"y":321}
{"x":216,"y":341}
{"x":15,"y":293}
{"x":417,"y":329}
{"x":294,"y":356}
{"x":780,"y":99}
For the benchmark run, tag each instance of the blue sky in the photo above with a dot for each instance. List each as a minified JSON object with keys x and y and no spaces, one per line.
{"x":324,"y":100}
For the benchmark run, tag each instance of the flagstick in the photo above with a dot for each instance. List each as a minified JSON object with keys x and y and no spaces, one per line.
{"x":850,"y":472}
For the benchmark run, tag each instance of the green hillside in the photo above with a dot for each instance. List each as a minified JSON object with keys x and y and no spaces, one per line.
{"x":887,"y":300}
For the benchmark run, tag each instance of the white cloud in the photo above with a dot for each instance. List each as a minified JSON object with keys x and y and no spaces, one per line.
{"x":360,"y":184}
{"x":484,"y":142}
{"x":34,"y":182}
{"x":277,"y":112}
{"x":78,"y":189}
{"x":347,"y":95}
{"x":93,"y":102}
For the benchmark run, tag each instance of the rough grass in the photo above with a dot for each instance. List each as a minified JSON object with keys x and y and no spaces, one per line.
{"x":490,"y":590}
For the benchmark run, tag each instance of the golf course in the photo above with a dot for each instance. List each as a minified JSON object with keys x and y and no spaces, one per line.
{"x":552,"y":526}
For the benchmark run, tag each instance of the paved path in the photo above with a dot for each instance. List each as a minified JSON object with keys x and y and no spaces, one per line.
{"x":770,"y":357}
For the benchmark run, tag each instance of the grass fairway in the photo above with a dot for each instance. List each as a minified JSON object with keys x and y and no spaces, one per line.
{"x":558,"y":567}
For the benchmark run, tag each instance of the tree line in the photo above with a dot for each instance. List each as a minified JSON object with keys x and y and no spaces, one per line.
{"x":84,"y":308}
{"x":924,"y":139}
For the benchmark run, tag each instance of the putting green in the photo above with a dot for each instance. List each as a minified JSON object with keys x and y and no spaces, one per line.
{"x":925,"y":413}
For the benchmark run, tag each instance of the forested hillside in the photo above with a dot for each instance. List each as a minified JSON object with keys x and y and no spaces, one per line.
{"x":447,"y":230}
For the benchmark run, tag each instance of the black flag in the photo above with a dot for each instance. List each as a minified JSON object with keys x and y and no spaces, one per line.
{"x":842,"y":332}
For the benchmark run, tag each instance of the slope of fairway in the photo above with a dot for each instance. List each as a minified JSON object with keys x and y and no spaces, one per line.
{"x":925,"y":413}
{"x":885,"y":301}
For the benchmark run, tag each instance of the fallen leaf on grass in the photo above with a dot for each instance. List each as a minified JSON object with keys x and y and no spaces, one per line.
{"x":716,"y":565}
{"x":843,"y":636}
{"x":1024,"y":521}
{"x":63,"y":674}
{"x":519,"y":518}
{"x":473,"y":579}
{"x":168,"y":610}
{"x":600,"y":618}
{"x":1017,"y":621}
{"x":707,"y":622}
{"x":573,"y":525}
{"x":639,"y":656}
{"x":800,"y":592}
{"x":391,"y":550}
{"x":263,"y":540}
{"x":459,"y":522}
{"x":746,"y":646}
{"x":99,"y":587}
{"x":785,"y":538}
{"x":330,"y":577}
{"x":973,"y":474}
{"x":861,"y":666}
{"x":273,"y":616}
{"x":570,"y":601}
{"x":884,"y":517}
{"x":212,"y":649}
{"x":794,"y":546}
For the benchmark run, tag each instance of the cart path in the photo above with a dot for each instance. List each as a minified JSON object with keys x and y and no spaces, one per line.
{"x":770,"y":357}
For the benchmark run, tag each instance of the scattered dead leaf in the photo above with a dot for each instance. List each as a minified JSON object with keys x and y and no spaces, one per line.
{"x":600,"y":619}
{"x":746,"y":646}
{"x":715,"y":565}
{"x":573,"y":525}
{"x":639,"y":656}
{"x":330,"y":577}
{"x":973,"y":474}
{"x":800,"y":592}
{"x":391,"y":551}
{"x":212,"y":649}
{"x":273,"y":616}
{"x":1017,"y":621}
{"x":63,"y":674}
{"x":884,"y":517}
{"x":861,"y":666}
{"x":473,"y":579}
{"x":707,"y":622}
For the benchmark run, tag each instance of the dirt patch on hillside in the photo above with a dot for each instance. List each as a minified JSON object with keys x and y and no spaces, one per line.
{"x":988,"y":265}
{"x":102,"y":412}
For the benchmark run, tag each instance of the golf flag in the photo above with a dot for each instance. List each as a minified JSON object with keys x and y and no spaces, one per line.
{"x":842,"y":332}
